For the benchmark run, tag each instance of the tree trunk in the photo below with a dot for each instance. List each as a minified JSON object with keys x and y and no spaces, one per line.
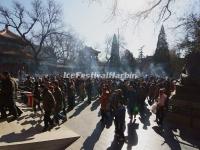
{"x":36,"y":64}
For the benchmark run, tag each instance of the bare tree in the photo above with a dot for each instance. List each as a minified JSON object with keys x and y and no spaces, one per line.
{"x":191,"y":41}
{"x":66,"y":46}
{"x":35,"y":25}
{"x":19,"y":19}
{"x":164,"y":9}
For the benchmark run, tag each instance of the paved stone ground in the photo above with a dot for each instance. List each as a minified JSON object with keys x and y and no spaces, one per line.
{"x":21,"y":133}
{"x":143,"y":135}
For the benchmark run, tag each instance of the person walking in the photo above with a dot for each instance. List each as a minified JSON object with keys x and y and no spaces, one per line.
{"x":71,"y":94}
{"x":132,"y":105}
{"x":8,"y":95}
{"x":161,"y":101}
{"x":49,"y":106}
{"x":119,"y":113}
{"x":59,"y":103}
{"x":37,"y":98}
{"x":119,"y":119}
{"x":89,"y":89}
{"x":104,"y":99}
{"x":82,"y":90}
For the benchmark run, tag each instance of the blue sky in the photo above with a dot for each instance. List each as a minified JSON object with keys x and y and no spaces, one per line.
{"x":89,"y":22}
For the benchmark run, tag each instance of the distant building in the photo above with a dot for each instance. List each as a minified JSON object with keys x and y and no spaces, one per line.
{"x":13,"y":57}
{"x":88,"y":61}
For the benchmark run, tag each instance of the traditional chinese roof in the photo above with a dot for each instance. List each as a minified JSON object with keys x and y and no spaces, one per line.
{"x":12,"y":45}
{"x":6,"y":34}
{"x":91,"y":50}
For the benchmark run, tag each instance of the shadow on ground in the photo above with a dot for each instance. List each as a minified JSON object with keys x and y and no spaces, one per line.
{"x":145,"y":117}
{"x":24,"y":135}
{"x":95,"y":105}
{"x":90,"y":142}
{"x":79,"y":108}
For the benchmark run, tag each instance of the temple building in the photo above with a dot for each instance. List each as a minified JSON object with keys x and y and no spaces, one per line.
{"x":13,"y":57}
{"x":88,"y":61}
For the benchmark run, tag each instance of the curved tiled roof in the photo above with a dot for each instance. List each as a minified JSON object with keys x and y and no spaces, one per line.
{"x":91,"y":50}
{"x":9,"y":35}
{"x":8,"y":49}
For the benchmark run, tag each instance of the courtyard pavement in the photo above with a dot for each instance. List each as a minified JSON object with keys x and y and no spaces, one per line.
{"x":143,"y":135}
{"x":85,"y":121}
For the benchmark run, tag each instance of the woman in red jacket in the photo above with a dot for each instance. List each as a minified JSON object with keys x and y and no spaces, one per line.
{"x":104,"y":99}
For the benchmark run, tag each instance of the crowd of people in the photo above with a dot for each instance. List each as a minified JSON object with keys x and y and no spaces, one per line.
{"x":54,"y":96}
{"x":117,"y":96}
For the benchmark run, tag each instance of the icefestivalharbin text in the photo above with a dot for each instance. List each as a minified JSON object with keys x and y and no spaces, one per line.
{"x":108,"y":75}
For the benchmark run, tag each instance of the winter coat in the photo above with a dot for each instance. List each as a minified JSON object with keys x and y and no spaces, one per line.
{"x":37,"y":94}
{"x":104,"y":101}
{"x":49,"y":102}
{"x":8,"y":92}
{"x":58,"y":98}
{"x":132,"y":101}
{"x":120,"y":114}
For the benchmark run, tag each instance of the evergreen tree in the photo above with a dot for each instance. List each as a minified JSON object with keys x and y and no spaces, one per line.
{"x":161,"y":55}
{"x":114,"y":59}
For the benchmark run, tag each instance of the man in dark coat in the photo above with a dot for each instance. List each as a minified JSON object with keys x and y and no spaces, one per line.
{"x":29,"y":84}
{"x":71,"y":94}
{"x":49,"y":104}
{"x":2,"y":100}
{"x":59,"y":103}
{"x":142,"y":93}
{"x":119,"y":119}
{"x":8,"y":95}
{"x":132,"y":105}
{"x":119,"y":112}
{"x":63,"y":86}
{"x":37,"y":98}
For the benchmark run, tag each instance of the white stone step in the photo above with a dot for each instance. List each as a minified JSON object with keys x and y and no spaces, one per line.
{"x":51,"y":140}
{"x":25,"y":134}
